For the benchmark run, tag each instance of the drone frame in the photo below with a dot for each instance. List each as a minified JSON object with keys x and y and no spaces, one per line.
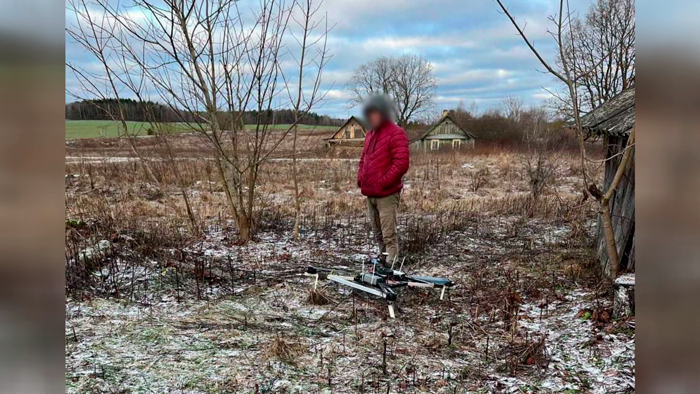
{"x":380,"y":285}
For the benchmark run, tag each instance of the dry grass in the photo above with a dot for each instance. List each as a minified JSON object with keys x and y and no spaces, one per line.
{"x":318,"y":297}
{"x":445,"y":192}
{"x":515,"y":260}
{"x":283,"y":350}
{"x":521,"y":353}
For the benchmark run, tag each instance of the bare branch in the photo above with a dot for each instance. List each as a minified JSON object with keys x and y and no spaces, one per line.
{"x":532,"y":47}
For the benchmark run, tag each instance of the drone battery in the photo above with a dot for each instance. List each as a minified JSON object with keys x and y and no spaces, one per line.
{"x":371,"y":279}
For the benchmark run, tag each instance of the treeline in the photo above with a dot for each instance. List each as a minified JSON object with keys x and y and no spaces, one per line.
{"x":508,"y":127}
{"x":106,"y":109}
{"x":286,"y":116}
{"x":134,"y":110}
{"x":512,"y":129}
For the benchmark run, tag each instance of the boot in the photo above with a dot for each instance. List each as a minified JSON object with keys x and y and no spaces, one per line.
{"x":379,"y":265}
{"x":382,"y":269}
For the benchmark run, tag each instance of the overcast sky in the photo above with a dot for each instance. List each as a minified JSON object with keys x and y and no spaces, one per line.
{"x":476,"y":53}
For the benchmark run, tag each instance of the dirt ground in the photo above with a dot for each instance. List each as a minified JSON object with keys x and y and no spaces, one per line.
{"x":155,"y":307}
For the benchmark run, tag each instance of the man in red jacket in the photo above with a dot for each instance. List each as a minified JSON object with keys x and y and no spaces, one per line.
{"x":384,"y":161}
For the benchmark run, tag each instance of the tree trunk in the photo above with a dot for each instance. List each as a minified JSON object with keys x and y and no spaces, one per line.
{"x":190,"y":212}
{"x":244,"y":233}
{"x":609,"y":235}
{"x":624,"y":304}
{"x":297,"y":198}
{"x":244,"y":229}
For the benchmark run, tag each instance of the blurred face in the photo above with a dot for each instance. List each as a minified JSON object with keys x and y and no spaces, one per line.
{"x":375,"y":119}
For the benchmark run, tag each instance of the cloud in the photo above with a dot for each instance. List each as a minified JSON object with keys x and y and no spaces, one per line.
{"x":476,"y":53}
{"x":474,"y":76}
{"x":338,"y":94}
{"x":417,"y":43}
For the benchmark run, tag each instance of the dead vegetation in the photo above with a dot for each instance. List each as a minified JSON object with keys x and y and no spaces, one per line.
{"x":284,"y":350}
{"x":318,"y":297}
{"x":522,"y":266}
{"x":523,"y":353}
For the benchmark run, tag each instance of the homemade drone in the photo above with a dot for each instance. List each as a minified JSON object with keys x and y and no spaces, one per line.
{"x":379,"y":284}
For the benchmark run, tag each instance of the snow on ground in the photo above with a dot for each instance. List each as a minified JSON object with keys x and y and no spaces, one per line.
{"x":579,"y":363}
{"x":229,"y":341}
{"x":195,"y":347}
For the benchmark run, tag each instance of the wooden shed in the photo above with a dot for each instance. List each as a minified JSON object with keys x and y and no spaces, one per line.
{"x":445,"y":133}
{"x":614,"y":121}
{"x":351,"y":133}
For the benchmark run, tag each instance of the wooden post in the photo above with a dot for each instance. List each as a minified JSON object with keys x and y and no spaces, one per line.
{"x":384,"y":358}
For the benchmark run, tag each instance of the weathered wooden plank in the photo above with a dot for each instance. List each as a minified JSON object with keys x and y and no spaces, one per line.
{"x":622,"y":207}
{"x":614,"y":117}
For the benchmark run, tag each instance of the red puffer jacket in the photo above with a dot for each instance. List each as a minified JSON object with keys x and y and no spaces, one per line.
{"x":384,"y":161}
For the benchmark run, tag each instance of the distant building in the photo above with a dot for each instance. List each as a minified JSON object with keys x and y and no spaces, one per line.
{"x":614,"y":120}
{"x":445,"y":133}
{"x":352,"y":133}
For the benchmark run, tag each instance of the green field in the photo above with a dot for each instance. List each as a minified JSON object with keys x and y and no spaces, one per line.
{"x":105,"y":128}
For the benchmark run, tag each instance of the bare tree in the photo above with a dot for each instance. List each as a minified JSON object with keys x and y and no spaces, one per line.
{"x":308,"y":26}
{"x":407,"y":79}
{"x":567,"y":74}
{"x":543,"y":156}
{"x":376,"y":76}
{"x":215,"y":60}
{"x":601,"y":50}
{"x":512,"y":108}
{"x":94,"y":32}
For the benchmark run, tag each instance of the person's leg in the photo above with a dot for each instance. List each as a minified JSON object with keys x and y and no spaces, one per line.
{"x":388,"y":208}
{"x":373,"y":214}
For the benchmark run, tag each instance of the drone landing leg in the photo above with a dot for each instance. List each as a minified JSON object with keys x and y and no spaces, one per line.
{"x":391,"y":311}
{"x":442,"y":293}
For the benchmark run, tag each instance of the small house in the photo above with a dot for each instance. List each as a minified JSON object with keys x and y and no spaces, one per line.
{"x":445,"y":133}
{"x":613,"y":121}
{"x":351,"y":133}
